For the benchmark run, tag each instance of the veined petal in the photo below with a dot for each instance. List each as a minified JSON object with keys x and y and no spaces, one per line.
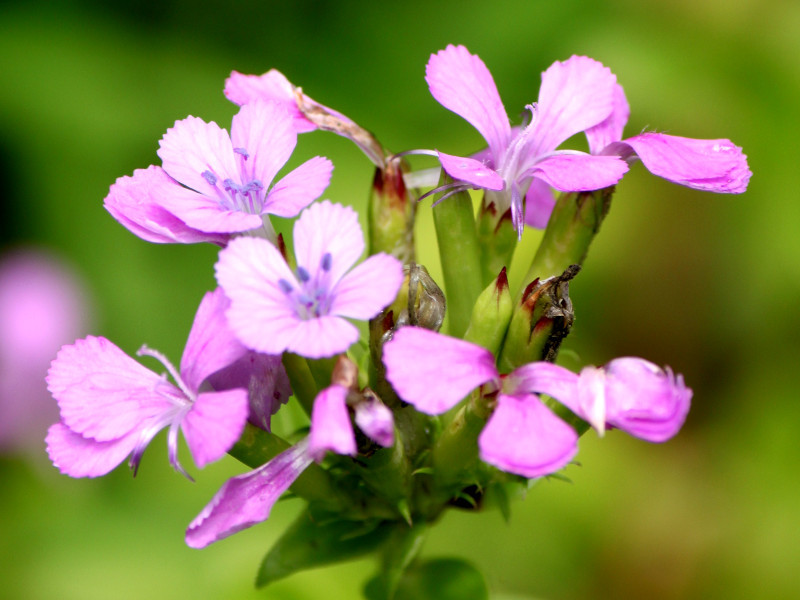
{"x":471,"y":171}
{"x":710,"y":165}
{"x":330,"y":424}
{"x":435,"y":372}
{"x":297,"y":189}
{"x":368,"y":288}
{"x":610,"y":130}
{"x":546,"y":378}
{"x":77,"y":456}
{"x":136,"y":202}
{"x":247,"y":499}
{"x":327,"y":228}
{"x":524,"y":437}
{"x":322,"y":337}
{"x":103,"y":393}
{"x":211,"y":345}
{"x":461,"y":83}
{"x":264,"y":131}
{"x":191,"y":147}
{"x":214,"y":423}
{"x":576,"y":94}
{"x":580,"y":172}
{"x":205,"y":213}
{"x":539,"y":203}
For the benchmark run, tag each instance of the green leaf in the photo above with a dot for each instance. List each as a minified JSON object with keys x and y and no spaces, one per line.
{"x":311,"y":543}
{"x":437,"y":579}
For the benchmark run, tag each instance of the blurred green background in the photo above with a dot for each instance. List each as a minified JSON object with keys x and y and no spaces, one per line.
{"x":707,"y":284}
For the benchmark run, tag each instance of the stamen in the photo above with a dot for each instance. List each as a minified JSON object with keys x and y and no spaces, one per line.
{"x":442,"y":188}
{"x":303,"y":275}
{"x":209,"y":177}
{"x":243,"y":152}
{"x":326,"y":262}
{"x":285,"y":286}
{"x":413,"y":152}
{"x":145,"y":351}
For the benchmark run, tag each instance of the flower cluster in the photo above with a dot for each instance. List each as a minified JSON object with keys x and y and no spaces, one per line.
{"x":403,"y":421}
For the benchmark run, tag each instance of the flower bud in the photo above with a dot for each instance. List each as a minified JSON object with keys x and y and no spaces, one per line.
{"x":491,"y":315}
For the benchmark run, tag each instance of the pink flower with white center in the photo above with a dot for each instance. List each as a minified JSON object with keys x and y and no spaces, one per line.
{"x":630,"y":394}
{"x":435,"y":372}
{"x":219,"y":184}
{"x":274,"y":309}
{"x":575,"y":95}
{"x":708,"y":165}
{"x":112,"y":407}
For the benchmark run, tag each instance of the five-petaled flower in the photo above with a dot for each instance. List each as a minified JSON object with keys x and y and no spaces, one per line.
{"x":274,"y":309}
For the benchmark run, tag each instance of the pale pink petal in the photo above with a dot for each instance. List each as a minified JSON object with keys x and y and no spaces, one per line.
{"x":471,"y":171}
{"x":368,"y":288}
{"x":263,"y":130}
{"x":207,"y":213}
{"x":272,"y":86}
{"x":539,"y":203}
{"x":547,"y":378}
{"x":610,"y":130}
{"x":435,"y":372}
{"x":77,"y":456}
{"x":461,"y":83}
{"x":212,"y":344}
{"x":103,"y":393}
{"x":136,"y":202}
{"x":247,"y":499}
{"x":575,"y":94}
{"x":214,"y":423}
{"x":191,"y":147}
{"x":298,"y":188}
{"x":709,"y":165}
{"x":571,"y":172}
{"x":327,"y":228}
{"x":524,"y":437}
{"x":322,"y":337}
{"x":331,"y":429}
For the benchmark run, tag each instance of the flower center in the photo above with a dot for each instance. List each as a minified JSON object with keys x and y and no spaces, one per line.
{"x":312,"y":298}
{"x":243,"y":197}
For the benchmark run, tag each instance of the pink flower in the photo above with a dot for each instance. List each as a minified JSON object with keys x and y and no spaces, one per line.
{"x":274,"y":309}
{"x":575,"y":95}
{"x":111,"y":406}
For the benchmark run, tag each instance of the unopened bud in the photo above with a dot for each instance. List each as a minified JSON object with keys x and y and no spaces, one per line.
{"x":391,"y":212}
{"x":491,"y":315}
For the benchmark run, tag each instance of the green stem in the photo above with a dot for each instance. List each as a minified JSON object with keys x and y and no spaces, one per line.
{"x":304,"y":387}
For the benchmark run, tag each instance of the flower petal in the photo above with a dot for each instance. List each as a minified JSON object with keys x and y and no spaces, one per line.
{"x":368,"y":288}
{"x":212,"y":344}
{"x":298,"y":188}
{"x":136,"y":202}
{"x":472,"y":171}
{"x":376,"y":421}
{"x":709,"y":165}
{"x":435,"y":372}
{"x":103,"y":393}
{"x":322,"y":337}
{"x":524,"y":437}
{"x":330,"y":424}
{"x":461,"y":83}
{"x":214,"y":424}
{"x":576,"y":172}
{"x":247,"y":499}
{"x":191,"y":147}
{"x":327,"y":228}
{"x":264,"y":130}
{"x":575,"y":94}
{"x":77,"y":456}
{"x":539,"y":203}
{"x":546,"y":378}
{"x":610,"y":130}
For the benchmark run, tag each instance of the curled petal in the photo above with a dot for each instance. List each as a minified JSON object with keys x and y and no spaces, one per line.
{"x":524,"y":437}
{"x":610,"y":130}
{"x":709,"y":165}
{"x":576,"y":172}
{"x":472,"y":171}
{"x":433,"y":371}
{"x":330,"y":424}
{"x":247,"y":499}
{"x":546,"y":378}
{"x":376,"y":421}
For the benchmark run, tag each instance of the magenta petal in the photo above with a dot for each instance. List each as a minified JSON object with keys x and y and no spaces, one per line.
{"x":247,"y":499}
{"x":471,"y":171}
{"x":368,"y":288}
{"x":709,"y":165}
{"x":580,"y":172}
{"x":376,"y":421}
{"x":575,"y":95}
{"x":214,"y":424}
{"x":271,"y":86}
{"x":211,"y":345}
{"x":327,"y":228}
{"x":433,"y":371}
{"x":524,"y":437}
{"x":547,"y":378}
{"x":298,"y":188}
{"x":330,"y":424}
{"x":539,"y":203}
{"x":103,"y":393}
{"x":136,"y":202}
{"x":191,"y":147}
{"x":77,"y":456}
{"x":610,"y":130}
